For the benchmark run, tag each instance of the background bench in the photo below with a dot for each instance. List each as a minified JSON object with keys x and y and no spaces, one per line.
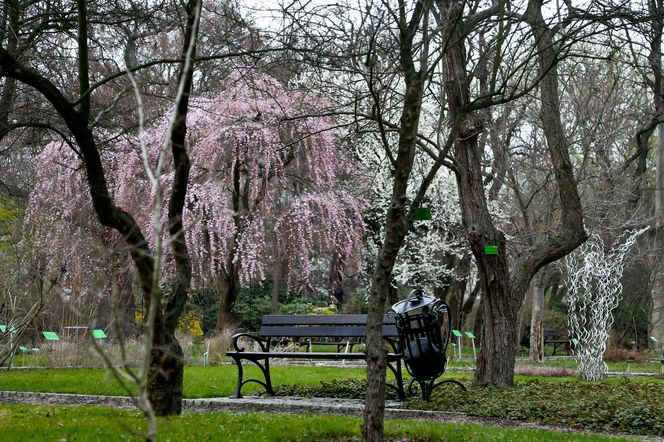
{"x":316,"y":327}
{"x":558,"y":339}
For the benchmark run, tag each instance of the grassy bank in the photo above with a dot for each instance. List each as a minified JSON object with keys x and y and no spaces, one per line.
{"x":28,"y":423}
{"x":630,"y":405}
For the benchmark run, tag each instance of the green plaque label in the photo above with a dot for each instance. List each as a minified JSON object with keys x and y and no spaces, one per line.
{"x":653,"y":339}
{"x":51,"y":336}
{"x":575,"y":342}
{"x":490,"y":250}
{"x":98,"y":334}
{"x":423,"y":214}
{"x":23,"y":348}
{"x":457,"y":333}
{"x":470,"y":335}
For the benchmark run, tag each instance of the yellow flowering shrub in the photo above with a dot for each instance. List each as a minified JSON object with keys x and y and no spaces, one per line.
{"x":190,"y":323}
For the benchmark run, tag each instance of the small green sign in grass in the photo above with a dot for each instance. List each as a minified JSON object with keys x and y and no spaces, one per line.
{"x":23,"y":348}
{"x":3,"y":328}
{"x":51,"y":336}
{"x":423,"y":214}
{"x":98,"y":334}
{"x":457,"y":333}
{"x":653,"y":339}
{"x":490,"y":250}
{"x":470,"y":335}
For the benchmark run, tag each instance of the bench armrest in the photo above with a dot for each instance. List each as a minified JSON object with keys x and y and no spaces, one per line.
{"x":251,"y":336}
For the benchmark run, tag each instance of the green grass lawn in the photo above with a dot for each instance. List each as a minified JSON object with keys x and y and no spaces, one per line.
{"x":634,"y":405}
{"x":28,"y":423}
{"x":199,"y":382}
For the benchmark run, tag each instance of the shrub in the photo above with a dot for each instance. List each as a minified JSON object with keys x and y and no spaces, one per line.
{"x":622,"y":354}
{"x":625,"y":405}
{"x":217,"y":344}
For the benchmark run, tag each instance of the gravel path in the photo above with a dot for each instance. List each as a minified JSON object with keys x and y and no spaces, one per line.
{"x":281,"y":404}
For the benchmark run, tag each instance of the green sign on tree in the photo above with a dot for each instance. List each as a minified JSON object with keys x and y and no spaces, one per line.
{"x":423,"y":214}
{"x":490,"y":250}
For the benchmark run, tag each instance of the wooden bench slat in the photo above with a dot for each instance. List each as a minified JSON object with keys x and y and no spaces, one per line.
{"x":337,"y":320}
{"x":332,"y":331}
{"x":307,"y":355}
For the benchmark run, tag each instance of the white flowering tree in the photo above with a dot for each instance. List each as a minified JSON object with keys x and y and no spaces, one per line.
{"x":593,"y":292}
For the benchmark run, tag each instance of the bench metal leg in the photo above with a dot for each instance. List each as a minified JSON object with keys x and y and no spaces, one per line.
{"x":238,"y":388}
{"x":398,"y":375}
{"x":428,"y":386}
{"x":265,"y":369}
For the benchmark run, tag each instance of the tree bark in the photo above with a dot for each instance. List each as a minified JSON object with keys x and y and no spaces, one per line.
{"x":657,"y":290}
{"x":166,"y":375}
{"x":229,"y":290}
{"x":274,"y":309}
{"x":537,"y":320}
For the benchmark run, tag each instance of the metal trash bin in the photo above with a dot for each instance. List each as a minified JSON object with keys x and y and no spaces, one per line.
{"x":424,"y":327}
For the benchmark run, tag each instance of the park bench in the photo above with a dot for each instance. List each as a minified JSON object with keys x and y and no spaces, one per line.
{"x":557,"y":339}
{"x":316,"y":327}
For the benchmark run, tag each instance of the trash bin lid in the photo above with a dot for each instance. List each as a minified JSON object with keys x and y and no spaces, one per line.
{"x":416,"y":300}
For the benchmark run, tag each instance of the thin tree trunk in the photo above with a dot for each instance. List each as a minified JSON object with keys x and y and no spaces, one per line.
{"x":229,"y":289}
{"x":398,"y":220}
{"x":274,"y":308}
{"x":657,"y":290}
{"x":537,"y":320}
{"x":478,"y":325}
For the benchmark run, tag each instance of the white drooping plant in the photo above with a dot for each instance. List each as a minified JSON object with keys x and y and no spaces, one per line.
{"x":594,"y":290}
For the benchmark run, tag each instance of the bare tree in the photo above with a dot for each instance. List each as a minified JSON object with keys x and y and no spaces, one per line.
{"x":166,"y":364}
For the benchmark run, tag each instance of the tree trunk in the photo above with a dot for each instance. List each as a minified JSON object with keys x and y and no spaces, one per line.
{"x":374,"y":410}
{"x":336,"y":281}
{"x":457,"y":290}
{"x":398,"y":220}
{"x":537,"y":320}
{"x":657,"y":290}
{"x":478,"y":325}
{"x":657,"y":312}
{"x":274,"y":307}
{"x":468,"y":306}
{"x":165,"y":376}
{"x":229,"y":290}
{"x":495,"y":365}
